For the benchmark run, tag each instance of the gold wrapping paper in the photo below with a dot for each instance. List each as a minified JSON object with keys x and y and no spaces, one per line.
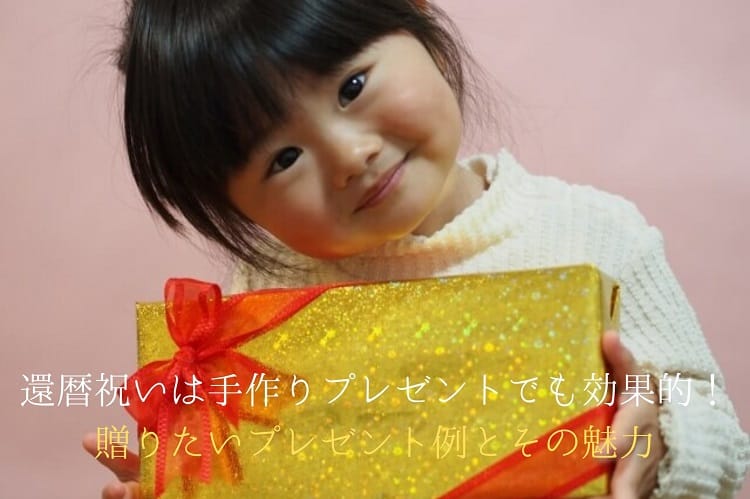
{"x":364,"y":429}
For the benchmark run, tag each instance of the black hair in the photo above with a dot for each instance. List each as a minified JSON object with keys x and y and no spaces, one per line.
{"x":206,"y":80}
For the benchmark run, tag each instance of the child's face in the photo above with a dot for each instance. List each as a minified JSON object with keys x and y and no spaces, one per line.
{"x":365,"y":157}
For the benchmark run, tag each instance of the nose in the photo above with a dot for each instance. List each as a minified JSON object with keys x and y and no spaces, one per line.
{"x":354,"y":152}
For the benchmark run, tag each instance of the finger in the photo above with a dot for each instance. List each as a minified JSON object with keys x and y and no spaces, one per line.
{"x":126,"y":469}
{"x":623,"y":484}
{"x":114,"y":490}
{"x":119,"y":490}
{"x":636,"y":438}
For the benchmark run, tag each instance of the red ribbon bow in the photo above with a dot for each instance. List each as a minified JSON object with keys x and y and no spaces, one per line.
{"x":207,"y":328}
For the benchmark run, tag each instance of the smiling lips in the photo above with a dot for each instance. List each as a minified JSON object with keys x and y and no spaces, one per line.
{"x":382,"y":187}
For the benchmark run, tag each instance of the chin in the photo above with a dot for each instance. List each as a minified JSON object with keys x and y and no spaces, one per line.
{"x":423,"y":225}
{"x":354,"y":250}
{"x":332,"y":253}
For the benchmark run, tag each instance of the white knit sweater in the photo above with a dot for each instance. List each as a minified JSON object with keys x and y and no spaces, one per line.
{"x":524,"y":221}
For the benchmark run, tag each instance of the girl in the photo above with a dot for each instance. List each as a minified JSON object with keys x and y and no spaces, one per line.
{"x":316,"y":141}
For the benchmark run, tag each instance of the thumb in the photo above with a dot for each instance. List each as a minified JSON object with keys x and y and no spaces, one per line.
{"x":126,"y":470}
{"x":119,"y":490}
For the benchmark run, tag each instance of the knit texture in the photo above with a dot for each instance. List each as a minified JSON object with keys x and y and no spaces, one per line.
{"x":524,"y":221}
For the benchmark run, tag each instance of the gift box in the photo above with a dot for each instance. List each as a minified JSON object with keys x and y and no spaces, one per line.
{"x":467,"y":386}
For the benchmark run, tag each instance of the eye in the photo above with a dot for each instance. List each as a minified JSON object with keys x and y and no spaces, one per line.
{"x":284,"y":160}
{"x":351,"y":89}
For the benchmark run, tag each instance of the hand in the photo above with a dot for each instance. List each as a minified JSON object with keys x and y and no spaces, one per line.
{"x":634,"y":476}
{"x":127,"y":471}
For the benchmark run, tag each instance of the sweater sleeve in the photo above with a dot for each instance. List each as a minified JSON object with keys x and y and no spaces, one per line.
{"x":707,"y":451}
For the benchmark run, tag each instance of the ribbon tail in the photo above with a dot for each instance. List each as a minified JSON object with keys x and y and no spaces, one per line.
{"x":544,"y":473}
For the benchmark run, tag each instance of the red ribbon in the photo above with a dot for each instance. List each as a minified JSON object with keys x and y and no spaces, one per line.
{"x":554,"y":475}
{"x":207,"y":328}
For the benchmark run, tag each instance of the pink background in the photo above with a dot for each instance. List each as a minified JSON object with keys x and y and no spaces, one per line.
{"x":647,"y":99}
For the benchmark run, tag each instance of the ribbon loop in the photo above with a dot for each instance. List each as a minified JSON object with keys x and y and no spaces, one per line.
{"x":207,"y":329}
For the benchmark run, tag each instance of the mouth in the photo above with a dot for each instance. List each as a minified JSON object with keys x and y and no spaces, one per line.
{"x":385,"y":184}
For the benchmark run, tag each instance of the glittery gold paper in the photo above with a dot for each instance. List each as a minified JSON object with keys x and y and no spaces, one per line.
{"x":469,"y":339}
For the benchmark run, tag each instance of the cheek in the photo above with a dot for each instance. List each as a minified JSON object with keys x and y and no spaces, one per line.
{"x":413,"y":111}
{"x":300,"y":214}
